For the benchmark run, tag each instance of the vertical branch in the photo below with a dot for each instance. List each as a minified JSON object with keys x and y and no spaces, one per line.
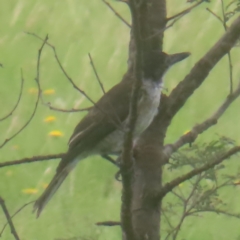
{"x":148,"y":17}
{"x":127,"y":163}
{"x":148,"y":165}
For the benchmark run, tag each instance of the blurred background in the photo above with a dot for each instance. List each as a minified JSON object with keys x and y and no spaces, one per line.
{"x":91,"y":194}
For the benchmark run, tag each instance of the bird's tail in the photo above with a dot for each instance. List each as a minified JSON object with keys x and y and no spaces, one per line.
{"x":52,"y":188}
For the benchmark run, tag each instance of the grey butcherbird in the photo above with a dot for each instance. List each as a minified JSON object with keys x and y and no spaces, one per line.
{"x":101,"y":131}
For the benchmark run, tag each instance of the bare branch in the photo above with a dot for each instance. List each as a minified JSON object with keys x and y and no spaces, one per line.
{"x":164,"y":29}
{"x":215,"y":15}
{"x":96,"y":74}
{"x":108,"y":158}
{"x":184,"y":12}
{"x":223,"y":14}
{"x":175,"y":18}
{"x":117,"y":14}
{"x":191,"y":136}
{"x":223,"y":22}
{"x":218,"y":211}
{"x":229,"y":53}
{"x":38,"y":97}
{"x":200,"y":71}
{"x":18,"y":100}
{"x":31,"y":159}
{"x":19,"y":210}
{"x":8,"y":217}
{"x":185,"y":207}
{"x":109,"y":223}
{"x":71,"y":81}
{"x":67,"y":110}
{"x":230,"y":71}
{"x":191,"y":208}
{"x":62,"y":68}
{"x":167,"y":219}
{"x":169,"y":186}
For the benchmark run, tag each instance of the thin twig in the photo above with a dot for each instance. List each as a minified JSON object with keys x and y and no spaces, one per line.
{"x":117,"y":14}
{"x":182,"y":92}
{"x":199,"y":199}
{"x":109,"y":223}
{"x":191,"y":136}
{"x":230,"y":72}
{"x":184,"y":12}
{"x":224,"y":17}
{"x":8,"y":217}
{"x":169,"y":186}
{"x":218,"y":211}
{"x":223,"y":22}
{"x":108,"y":158}
{"x":38,"y":97}
{"x":102,"y":87}
{"x":19,"y":210}
{"x":185,"y":208}
{"x":175,"y":18}
{"x":62,"y":68}
{"x":202,"y":198}
{"x":31,"y":159}
{"x":163,"y":29}
{"x":178,"y":196}
{"x":67,"y":110}
{"x":116,"y":124}
{"x":18,"y":100}
{"x":96,"y":73}
{"x":215,"y":15}
{"x":167,"y":219}
{"x":229,"y":53}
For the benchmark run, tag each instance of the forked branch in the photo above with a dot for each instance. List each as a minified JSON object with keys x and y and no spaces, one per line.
{"x":38,"y":97}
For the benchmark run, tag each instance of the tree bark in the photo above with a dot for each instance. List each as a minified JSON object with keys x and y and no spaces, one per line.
{"x":147,"y":167}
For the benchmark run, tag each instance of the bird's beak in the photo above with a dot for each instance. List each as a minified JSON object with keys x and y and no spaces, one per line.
{"x":177,"y":57}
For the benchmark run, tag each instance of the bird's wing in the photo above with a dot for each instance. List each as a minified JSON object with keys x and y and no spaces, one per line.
{"x":106,"y":116}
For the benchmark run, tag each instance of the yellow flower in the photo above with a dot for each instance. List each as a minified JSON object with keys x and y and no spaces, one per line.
{"x":15,"y":147}
{"x":50,"y":119}
{"x":48,"y":91}
{"x":55,"y":134}
{"x":33,"y":90}
{"x":9,"y":173}
{"x":30,"y":190}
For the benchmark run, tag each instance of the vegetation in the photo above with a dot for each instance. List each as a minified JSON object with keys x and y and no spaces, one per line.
{"x":91,"y":194}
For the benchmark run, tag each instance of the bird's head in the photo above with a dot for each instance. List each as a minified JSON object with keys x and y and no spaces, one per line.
{"x":156,"y":64}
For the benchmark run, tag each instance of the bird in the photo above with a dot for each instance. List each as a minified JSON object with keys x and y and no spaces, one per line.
{"x":101,"y":131}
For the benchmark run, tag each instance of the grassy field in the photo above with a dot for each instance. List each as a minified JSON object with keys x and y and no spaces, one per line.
{"x":91,"y":194}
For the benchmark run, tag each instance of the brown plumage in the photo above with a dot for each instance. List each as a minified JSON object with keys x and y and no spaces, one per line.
{"x":101,"y":131}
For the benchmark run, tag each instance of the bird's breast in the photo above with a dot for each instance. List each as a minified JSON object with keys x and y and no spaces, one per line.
{"x":147,"y":106}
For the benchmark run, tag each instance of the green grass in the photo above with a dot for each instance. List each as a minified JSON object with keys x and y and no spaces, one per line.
{"x":91,"y":194}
